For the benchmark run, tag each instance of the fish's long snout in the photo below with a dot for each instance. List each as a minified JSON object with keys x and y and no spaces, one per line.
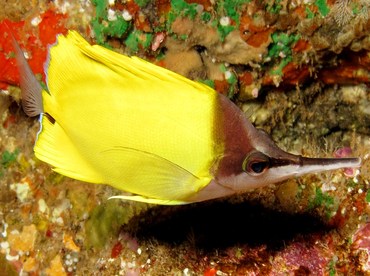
{"x":310,"y":165}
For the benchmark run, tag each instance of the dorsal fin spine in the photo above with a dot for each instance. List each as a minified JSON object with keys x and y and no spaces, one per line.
{"x":31,"y":88}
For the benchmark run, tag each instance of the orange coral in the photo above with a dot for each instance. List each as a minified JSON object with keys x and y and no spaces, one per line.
{"x":354,"y":68}
{"x":163,"y":6}
{"x":253,"y":33}
{"x":221,"y":86}
{"x":35,"y":42}
{"x":246,"y":78}
{"x":294,"y":75}
{"x":301,"y":45}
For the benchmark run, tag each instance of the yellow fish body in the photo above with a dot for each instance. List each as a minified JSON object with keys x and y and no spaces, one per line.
{"x":124,"y":122}
{"x":118,"y":120}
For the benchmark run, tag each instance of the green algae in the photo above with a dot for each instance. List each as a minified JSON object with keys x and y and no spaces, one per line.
{"x":322,"y":7}
{"x":231,"y":79}
{"x":210,"y":83}
{"x":367,"y":198}
{"x":332,"y":270}
{"x":310,"y":14}
{"x":323,"y":200}
{"x":231,"y":9}
{"x":117,"y":28}
{"x":55,"y":178}
{"x":282,"y":42}
{"x":101,"y":7}
{"x":206,"y":16}
{"x":105,"y":221}
{"x":278,"y":70}
{"x":281,"y":49}
{"x":103,"y":27}
{"x":81,"y":200}
{"x":180,"y":8}
{"x":7,"y":158}
{"x":225,"y":30}
{"x":138,"y":39}
{"x":275,"y":7}
{"x":10,"y":55}
{"x":142,"y":3}
{"x":42,"y":83}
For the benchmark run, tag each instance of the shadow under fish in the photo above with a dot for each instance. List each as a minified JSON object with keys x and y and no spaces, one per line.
{"x":221,"y":224}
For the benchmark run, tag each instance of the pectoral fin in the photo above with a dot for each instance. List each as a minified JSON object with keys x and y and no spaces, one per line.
{"x":153,"y":178}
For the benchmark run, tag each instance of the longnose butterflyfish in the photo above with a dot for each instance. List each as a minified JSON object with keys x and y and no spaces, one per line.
{"x":111,"y":119}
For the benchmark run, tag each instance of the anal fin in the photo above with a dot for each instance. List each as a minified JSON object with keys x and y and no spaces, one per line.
{"x":150,"y":200}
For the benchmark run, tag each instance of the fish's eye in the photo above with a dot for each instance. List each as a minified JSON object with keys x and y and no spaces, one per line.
{"x":256,"y":163}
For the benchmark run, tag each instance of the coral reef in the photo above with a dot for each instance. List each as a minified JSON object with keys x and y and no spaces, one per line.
{"x":299,"y":69}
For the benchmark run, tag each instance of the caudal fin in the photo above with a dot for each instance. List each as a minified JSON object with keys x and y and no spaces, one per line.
{"x":31,"y":88}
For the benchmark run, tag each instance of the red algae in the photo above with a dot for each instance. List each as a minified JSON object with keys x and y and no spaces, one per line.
{"x":35,"y":42}
{"x":361,"y":239}
{"x":116,"y":250}
{"x":301,"y":255}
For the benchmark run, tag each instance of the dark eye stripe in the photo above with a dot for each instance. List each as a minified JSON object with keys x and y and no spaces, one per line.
{"x":274,"y":162}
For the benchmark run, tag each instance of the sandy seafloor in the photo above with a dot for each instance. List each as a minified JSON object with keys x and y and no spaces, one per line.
{"x":299,"y":70}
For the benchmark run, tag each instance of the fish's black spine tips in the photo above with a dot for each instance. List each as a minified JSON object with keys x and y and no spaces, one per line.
{"x":256,"y":163}
{"x":50,"y":118}
{"x":29,"y":105}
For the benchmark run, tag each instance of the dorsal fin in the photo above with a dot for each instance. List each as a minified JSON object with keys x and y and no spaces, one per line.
{"x":31,"y":88}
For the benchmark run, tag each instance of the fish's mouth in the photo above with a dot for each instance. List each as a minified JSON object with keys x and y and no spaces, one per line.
{"x":305,"y":165}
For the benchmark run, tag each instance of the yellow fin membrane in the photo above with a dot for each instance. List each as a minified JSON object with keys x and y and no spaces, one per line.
{"x":125,"y":122}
